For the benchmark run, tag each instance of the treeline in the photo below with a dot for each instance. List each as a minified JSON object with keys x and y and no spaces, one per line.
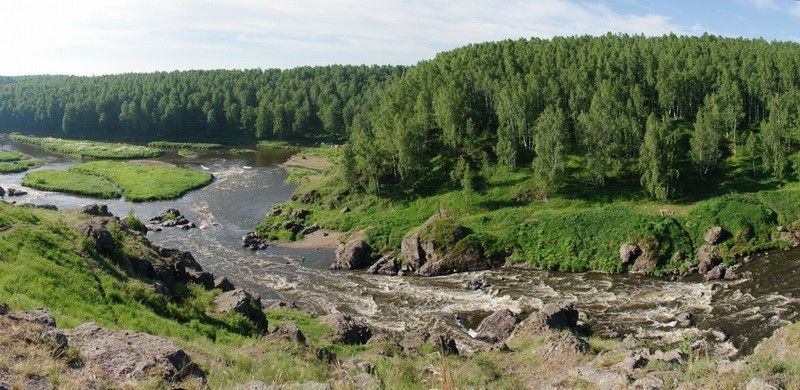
{"x":308,"y":103}
{"x":615,"y":106}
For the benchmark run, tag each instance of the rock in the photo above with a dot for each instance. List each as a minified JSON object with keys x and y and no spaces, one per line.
{"x":734,"y":367}
{"x":244,"y":303}
{"x":38,"y":316}
{"x":559,"y":343}
{"x":307,"y":198}
{"x":2,"y":192}
{"x":97,"y":210}
{"x":254,"y":242}
{"x":732,"y":273}
{"x":259,"y":385}
{"x":648,"y":382}
{"x":40,"y":206}
{"x":127,"y":355}
{"x":553,"y":316}
{"x":278,"y":304}
{"x":760,"y":384}
{"x":645,"y":263}
{"x":629,"y":252}
{"x":275,"y":212}
{"x":790,"y":239}
{"x":290,"y":332}
{"x":46,"y":326}
{"x":709,"y":257}
{"x":353,"y":254}
{"x":222,"y":283}
{"x":414,"y":339}
{"x":3,"y":309}
{"x":299,"y":214}
{"x":634,"y":360}
{"x":344,"y":209}
{"x":347,"y":330}
{"x":386,"y":265}
{"x":310,"y":229}
{"x":16,"y":192}
{"x":364,"y":381}
{"x":462,"y":257}
{"x":445,"y":344}
{"x":715,"y":235}
{"x":99,"y":235}
{"x":203,"y":278}
{"x":474,"y":284}
{"x":719,"y":335}
{"x":497,"y":326}
{"x":715,"y":273}
{"x":673,"y":357}
{"x":685,"y":319}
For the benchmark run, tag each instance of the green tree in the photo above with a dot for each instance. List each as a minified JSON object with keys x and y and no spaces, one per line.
{"x":658,"y":160}
{"x":706,"y":144}
{"x":550,"y":145}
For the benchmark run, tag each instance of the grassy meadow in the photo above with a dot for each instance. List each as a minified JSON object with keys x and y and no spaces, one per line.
{"x":136,"y":181}
{"x":88,"y":149}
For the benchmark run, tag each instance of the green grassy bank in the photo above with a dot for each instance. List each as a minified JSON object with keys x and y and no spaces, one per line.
{"x":88,"y":149}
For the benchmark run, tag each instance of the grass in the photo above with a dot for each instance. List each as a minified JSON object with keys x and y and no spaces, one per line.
{"x":184,"y":145}
{"x":72,"y":183}
{"x":579,"y":229}
{"x":18,"y":166}
{"x":11,"y":155}
{"x":136,"y":181}
{"x":88,"y":149}
{"x":140,"y":182}
{"x":187,"y":153}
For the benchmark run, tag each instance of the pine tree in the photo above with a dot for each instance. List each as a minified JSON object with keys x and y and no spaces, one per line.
{"x":657,"y":160}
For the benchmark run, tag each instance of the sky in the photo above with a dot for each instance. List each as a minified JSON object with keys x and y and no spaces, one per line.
{"x":91,"y":37}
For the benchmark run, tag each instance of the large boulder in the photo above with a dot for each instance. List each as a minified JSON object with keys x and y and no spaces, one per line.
{"x":553,"y":316}
{"x":97,"y":232}
{"x":128,"y":355}
{"x":429,"y":241}
{"x":709,"y":257}
{"x":790,"y":238}
{"x":244,"y":303}
{"x":43,"y":324}
{"x":629,"y":252}
{"x":465,"y":256}
{"x":386,"y":265}
{"x":347,"y":330}
{"x":497,"y":326}
{"x":353,"y":254}
{"x":716,"y":235}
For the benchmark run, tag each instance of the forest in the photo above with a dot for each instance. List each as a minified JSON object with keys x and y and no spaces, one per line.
{"x":659,"y":112}
{"x":231,"y":106}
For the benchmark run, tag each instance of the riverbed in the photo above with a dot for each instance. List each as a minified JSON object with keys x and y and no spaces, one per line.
{"x":249,"y":184}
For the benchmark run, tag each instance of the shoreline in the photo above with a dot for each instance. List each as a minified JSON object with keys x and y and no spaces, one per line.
{"x":320,"y":239}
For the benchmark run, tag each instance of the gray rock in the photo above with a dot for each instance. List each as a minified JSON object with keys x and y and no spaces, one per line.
{"x":353,"y":254}
{"x":290,"y":332}
{"x":685,"y":319}
{"x":299,"y":214}
{"x":3,"y":309}
{"x":222,"y":283}
{"x":559,"y":343}
{"x":347,"y":330}
{"x":709,"y":257}
{"x":760,"y":384}
{"x":203,"y":278}
{"x":364,"y":381}
{"x":244,"y":303}
{"x":633,"y":361}
{"x":719,"y":335}
{"x":475,"y":284}
{"x":673,"y":357}
{"x":386,"y":265}
{"x":16,"y":192}
{"x":127,"y":355}
{"x":445,"y":344}
{"x":715,"y":273}
{"x":790,"y":239}
{"x":2,"y":192}
{"x":497,"y":326}
{"x":99,"y":235}
{"x":648,"y":382}
{"x":715,"y":235}
{"x":629,"y":252}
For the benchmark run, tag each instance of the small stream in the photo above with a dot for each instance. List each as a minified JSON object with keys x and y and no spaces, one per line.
{"x":748,"y":309}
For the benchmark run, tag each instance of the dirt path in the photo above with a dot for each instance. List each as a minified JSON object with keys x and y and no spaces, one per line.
{"x":321,"y":239}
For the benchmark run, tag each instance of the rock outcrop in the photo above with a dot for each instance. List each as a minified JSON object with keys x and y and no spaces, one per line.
{"x":96,"y":231}
{"x":244,"y":303}
{"x":709,"y":257}
{"x":127,"y":355}
{"x":170,"y":218}
{"x":386,"y":265}
{"x":497,"y":327}
{"x":347,"y":330}
{"x":95,"y":210}
{"x":553,"y":316}
{"x":355,"y":253}
{"x":715,"y":235}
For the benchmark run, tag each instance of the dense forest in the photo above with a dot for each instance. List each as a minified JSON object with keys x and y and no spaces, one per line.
{"x":309,"y":103}
{"x":655,"y":111}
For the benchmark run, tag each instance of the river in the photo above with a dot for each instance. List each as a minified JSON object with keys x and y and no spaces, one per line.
{"x":748,"y":309}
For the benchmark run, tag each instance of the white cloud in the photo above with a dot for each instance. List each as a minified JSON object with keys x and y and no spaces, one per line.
{"x":98,"y":36}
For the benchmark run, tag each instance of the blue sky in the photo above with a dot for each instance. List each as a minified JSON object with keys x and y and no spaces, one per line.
{"x":100,"y":37}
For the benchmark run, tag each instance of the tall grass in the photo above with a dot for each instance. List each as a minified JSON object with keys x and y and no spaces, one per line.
{"x":88,"y":149}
